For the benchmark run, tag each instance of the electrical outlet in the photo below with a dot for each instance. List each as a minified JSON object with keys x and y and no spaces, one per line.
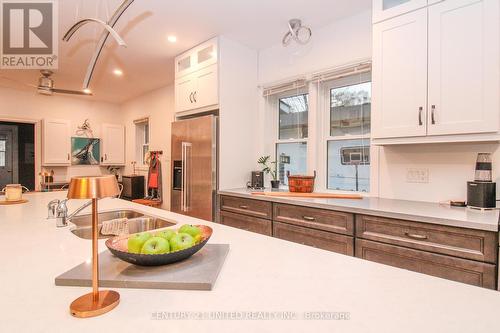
{"x":415,"y":175}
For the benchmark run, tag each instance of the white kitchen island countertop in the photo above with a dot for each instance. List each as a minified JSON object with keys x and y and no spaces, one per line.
{"x":262,"y":276}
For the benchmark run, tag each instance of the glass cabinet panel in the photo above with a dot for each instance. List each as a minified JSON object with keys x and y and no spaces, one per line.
{"x":206,"y":54}
{"x":387,"y":4}
{"x":183,"y":64}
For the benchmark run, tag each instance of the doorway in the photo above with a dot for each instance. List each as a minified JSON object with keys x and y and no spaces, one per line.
{"x":17,"y":154}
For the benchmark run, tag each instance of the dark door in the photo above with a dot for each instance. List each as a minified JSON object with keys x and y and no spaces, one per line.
{"x":6,"y":176}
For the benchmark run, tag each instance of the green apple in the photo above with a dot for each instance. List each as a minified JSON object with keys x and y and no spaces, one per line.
{"x":181,"y":241}
{"x":198,"y":238}
{"x":167,"y":234}
{"x":136,"y":241}
{"x":156,"y":245}
{"x":190,"y":229}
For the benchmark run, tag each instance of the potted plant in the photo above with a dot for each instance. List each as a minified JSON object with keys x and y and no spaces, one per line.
{"x":269,"y":167}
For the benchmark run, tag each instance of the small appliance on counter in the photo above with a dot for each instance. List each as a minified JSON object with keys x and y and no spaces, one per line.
{"x":481,"y":193}
{"x":257,"y":182}
{"x":133,"y":187}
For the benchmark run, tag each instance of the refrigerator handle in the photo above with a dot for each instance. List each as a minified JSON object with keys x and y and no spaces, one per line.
{"x":183,"y":172}
{"x":186,"y":168}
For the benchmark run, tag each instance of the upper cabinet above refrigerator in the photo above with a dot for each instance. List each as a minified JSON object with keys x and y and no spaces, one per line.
{"x":196,"y":79}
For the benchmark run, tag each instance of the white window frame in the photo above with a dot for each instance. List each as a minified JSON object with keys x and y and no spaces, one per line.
{"x":323,"y":114}
{"x":274,"y":104}
{"x":141,"y":141}
{"x":318,"y":126}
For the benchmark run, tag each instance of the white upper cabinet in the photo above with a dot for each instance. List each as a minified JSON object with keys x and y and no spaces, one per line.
{"x":200,"y":56}
{"x":56,"y":142}
{"x":385,"y":9}
{"x":113,"y":144}
{"x":464,"y":67}
{"x":400,"y":76}
{"x":207,"y":83}
{"x":196,"y":81}
{"x":185,"y":88}
{"x":436,"y":74}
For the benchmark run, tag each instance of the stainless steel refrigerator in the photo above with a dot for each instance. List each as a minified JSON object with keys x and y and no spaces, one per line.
{"x":194,"y":167}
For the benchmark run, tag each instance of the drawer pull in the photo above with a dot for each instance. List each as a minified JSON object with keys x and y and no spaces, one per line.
{"x":243,"y":206}
{"x":308,"y":218}
{"x":416,"y":236}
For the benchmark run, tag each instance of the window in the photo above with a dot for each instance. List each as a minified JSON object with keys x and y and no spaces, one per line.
{"x":142,"y":140}
{"x":3,"y":149}
{"x":291,"y":146}
{"x":348,"y":139}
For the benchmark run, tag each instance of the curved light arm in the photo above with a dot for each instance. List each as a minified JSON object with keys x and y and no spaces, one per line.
{"x":83,"y":22}
{"x":102,"y":40}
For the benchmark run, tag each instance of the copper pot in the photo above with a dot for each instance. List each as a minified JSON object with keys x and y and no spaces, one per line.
{"x":301,"y":183}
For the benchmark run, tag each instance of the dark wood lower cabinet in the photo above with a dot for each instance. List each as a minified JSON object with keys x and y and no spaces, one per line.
{"x":247,"y":223}
{"x":316,"y":238}
{"x":459,"y":254}
{"x":451,"y":268}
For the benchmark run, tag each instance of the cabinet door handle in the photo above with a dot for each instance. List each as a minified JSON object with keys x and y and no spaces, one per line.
{"x":68,"y":157}
{"x":308,"y":218}
{"x":194,"y":96}
{"x":191,"y":97}
{"x":243,"y":207}
{"x":433,"y":110}
{"x":420,"y":109}
{"x":416,"y":236}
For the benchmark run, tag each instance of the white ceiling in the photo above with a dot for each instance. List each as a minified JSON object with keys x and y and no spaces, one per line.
{"x":147,"y":62}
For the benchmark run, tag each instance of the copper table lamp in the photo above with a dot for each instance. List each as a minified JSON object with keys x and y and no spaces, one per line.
{"x":97,"y":302}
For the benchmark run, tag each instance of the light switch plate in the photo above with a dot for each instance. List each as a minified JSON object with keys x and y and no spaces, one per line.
{"x":417,"y":175}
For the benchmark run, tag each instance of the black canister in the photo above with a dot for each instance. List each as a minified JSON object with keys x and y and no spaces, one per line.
{"x":481,"y":195}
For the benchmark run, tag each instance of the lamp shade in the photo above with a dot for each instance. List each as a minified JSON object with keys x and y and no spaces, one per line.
{"x":93,"y":187}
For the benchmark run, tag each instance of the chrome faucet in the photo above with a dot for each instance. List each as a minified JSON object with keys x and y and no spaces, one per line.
{"x":61,"y":213}
{"x":59,"y":210}
{"x":52,"y":206}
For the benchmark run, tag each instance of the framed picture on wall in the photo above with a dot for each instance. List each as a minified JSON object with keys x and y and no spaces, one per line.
{"x":85,"y":151}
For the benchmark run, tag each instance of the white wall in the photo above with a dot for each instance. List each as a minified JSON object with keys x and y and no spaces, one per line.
{"x":450,"y":166}
{"x":349,"y":40}
{"x":341,"y":42}
{"x":18,"y":104}
{"x":238,"y":102}
{"x":158,"y":105}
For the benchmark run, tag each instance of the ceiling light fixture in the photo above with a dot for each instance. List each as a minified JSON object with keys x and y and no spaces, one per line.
{"x":108,"y":29}
{"x":87,"y":91}
{"x":297,"y":32}
{"x":118,"y":72}
{"x":172,"y":39}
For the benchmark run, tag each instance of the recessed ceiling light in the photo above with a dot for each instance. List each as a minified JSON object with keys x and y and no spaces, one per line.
{"x":118,"y":72}
{"x":87,"y":91}
{"x":172,"y":39}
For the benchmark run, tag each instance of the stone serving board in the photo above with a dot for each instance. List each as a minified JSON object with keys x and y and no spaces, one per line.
{"x":198,"y":272}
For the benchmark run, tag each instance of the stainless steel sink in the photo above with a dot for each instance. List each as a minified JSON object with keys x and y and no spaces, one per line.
{"x":137,"y":222}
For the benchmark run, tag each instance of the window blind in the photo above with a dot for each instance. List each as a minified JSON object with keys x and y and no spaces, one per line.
{"x":141,"y":121}
{"x":341,"y":72}
{"x":318,"y":77}
{"x":283,"y":87}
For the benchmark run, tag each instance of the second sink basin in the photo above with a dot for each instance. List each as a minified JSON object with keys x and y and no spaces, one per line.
{"x":137,"y":222}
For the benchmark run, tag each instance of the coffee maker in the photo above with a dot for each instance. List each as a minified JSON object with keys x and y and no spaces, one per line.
{"x":481,"y":193}
{"x":257,"y":182}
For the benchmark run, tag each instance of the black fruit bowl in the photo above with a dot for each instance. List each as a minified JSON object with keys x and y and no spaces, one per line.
{"x":118,"y":246}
